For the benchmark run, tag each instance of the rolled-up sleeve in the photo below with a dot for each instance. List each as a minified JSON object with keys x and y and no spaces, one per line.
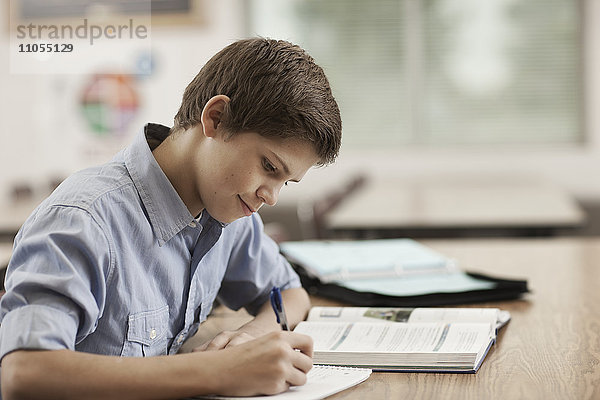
{"x":56,"y":281}
{"x":255,"y":266}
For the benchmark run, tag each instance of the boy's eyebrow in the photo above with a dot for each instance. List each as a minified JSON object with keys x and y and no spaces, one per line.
{"x":284,"y":165}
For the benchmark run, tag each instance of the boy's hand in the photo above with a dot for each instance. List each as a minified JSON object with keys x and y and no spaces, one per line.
{"x":267,"y":365}
{"x":226,"y":339}
{"x":297,"y":308}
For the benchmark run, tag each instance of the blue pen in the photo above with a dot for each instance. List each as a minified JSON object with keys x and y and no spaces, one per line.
{"x":277,"y":304}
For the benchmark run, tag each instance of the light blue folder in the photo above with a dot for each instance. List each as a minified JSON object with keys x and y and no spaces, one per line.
{"x":395,"y":267}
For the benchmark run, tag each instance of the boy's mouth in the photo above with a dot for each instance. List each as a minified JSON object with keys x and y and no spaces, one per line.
{"x":245,"y":207}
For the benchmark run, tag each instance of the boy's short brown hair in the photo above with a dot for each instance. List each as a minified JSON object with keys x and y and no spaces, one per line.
{"x":276,"y":90}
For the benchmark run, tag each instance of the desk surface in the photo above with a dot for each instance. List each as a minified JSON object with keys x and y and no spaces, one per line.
{"x":386,"y":205}
{"x":549,"y":350}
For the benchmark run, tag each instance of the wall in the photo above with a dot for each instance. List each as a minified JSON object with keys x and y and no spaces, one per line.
{"x":43,"y":133}
{"x":575,"y":168}
{"x":41,"y":129}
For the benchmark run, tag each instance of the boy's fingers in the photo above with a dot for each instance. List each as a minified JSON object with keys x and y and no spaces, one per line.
{"x":202,"y":347}
{"x":302,"y":362}
{"x":219,"y":342}
{"x":301,"y":342}
{"x":297,"y":378}
{"x":243,"y":337}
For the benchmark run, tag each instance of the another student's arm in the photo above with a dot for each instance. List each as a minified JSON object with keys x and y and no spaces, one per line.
{"x":296,"y":303}
{"x":267,"y":365}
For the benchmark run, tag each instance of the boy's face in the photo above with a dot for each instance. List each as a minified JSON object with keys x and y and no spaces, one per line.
{"x":236,"y":176}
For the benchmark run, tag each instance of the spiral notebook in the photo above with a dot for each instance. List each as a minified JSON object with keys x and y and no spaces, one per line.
{"x":322,"y":381}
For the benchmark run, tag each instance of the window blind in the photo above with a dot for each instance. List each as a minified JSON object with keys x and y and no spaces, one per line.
{"x":442,"y":72}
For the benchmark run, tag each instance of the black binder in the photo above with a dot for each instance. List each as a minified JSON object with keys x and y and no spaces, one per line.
{"x":504,"y":289}
{"x":332,"y":269}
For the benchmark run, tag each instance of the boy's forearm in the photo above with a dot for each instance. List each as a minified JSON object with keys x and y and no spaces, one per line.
{"x":296,"y":303}
{"x":267,"y":365}
{"x":66,"y":374}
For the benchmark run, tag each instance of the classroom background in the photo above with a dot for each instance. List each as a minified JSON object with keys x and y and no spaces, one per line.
{"x":460,"y":117}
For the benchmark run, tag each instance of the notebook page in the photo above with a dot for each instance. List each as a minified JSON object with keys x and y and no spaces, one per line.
{"x":322,"y":381}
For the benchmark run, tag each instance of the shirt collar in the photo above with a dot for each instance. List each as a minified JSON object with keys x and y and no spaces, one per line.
{"x":168,"y":214}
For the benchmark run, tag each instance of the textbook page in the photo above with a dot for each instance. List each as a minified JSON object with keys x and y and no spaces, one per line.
{"x":398,"y":314}
{"x":322,"y":381}
{"x":380,"y":338}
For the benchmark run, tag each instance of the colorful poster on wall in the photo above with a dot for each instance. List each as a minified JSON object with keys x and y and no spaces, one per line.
{"x":109,"y":103}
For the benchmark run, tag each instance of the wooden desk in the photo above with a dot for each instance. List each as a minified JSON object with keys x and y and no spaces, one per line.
{"x":454,"y":208}
{"x":550,"y":349}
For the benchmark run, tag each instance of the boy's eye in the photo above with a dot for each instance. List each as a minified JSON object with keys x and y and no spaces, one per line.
{"x":268,"y":166}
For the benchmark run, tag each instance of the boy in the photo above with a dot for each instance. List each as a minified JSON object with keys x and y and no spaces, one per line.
{"x":127,"y":258}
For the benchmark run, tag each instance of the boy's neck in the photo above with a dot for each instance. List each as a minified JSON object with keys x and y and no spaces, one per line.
{"x":175,"y":158}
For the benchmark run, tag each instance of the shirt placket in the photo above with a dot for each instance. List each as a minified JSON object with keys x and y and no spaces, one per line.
{"x":208,"y":236}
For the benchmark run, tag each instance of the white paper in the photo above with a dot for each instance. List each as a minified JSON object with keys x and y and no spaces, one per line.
{"x":322,"y":381}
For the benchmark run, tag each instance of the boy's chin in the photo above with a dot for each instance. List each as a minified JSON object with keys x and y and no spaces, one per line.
{"x":225,"y":218}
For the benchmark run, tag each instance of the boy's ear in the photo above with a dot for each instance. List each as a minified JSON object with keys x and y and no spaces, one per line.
{"x":212,"y":114}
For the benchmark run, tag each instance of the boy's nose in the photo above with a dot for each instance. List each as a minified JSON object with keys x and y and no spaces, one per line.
{"x":269,"y":194}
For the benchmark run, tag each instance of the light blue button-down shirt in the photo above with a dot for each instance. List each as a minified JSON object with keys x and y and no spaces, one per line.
{"x":114,"y":263}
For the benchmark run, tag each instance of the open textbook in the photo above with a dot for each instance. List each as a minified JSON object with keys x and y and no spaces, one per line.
{"x":401,"y":339}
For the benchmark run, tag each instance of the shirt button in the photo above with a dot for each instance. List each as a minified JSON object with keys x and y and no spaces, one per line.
{"x":179,"y":339}
{"x":153,"y":334}
{"x":192,"y":224}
